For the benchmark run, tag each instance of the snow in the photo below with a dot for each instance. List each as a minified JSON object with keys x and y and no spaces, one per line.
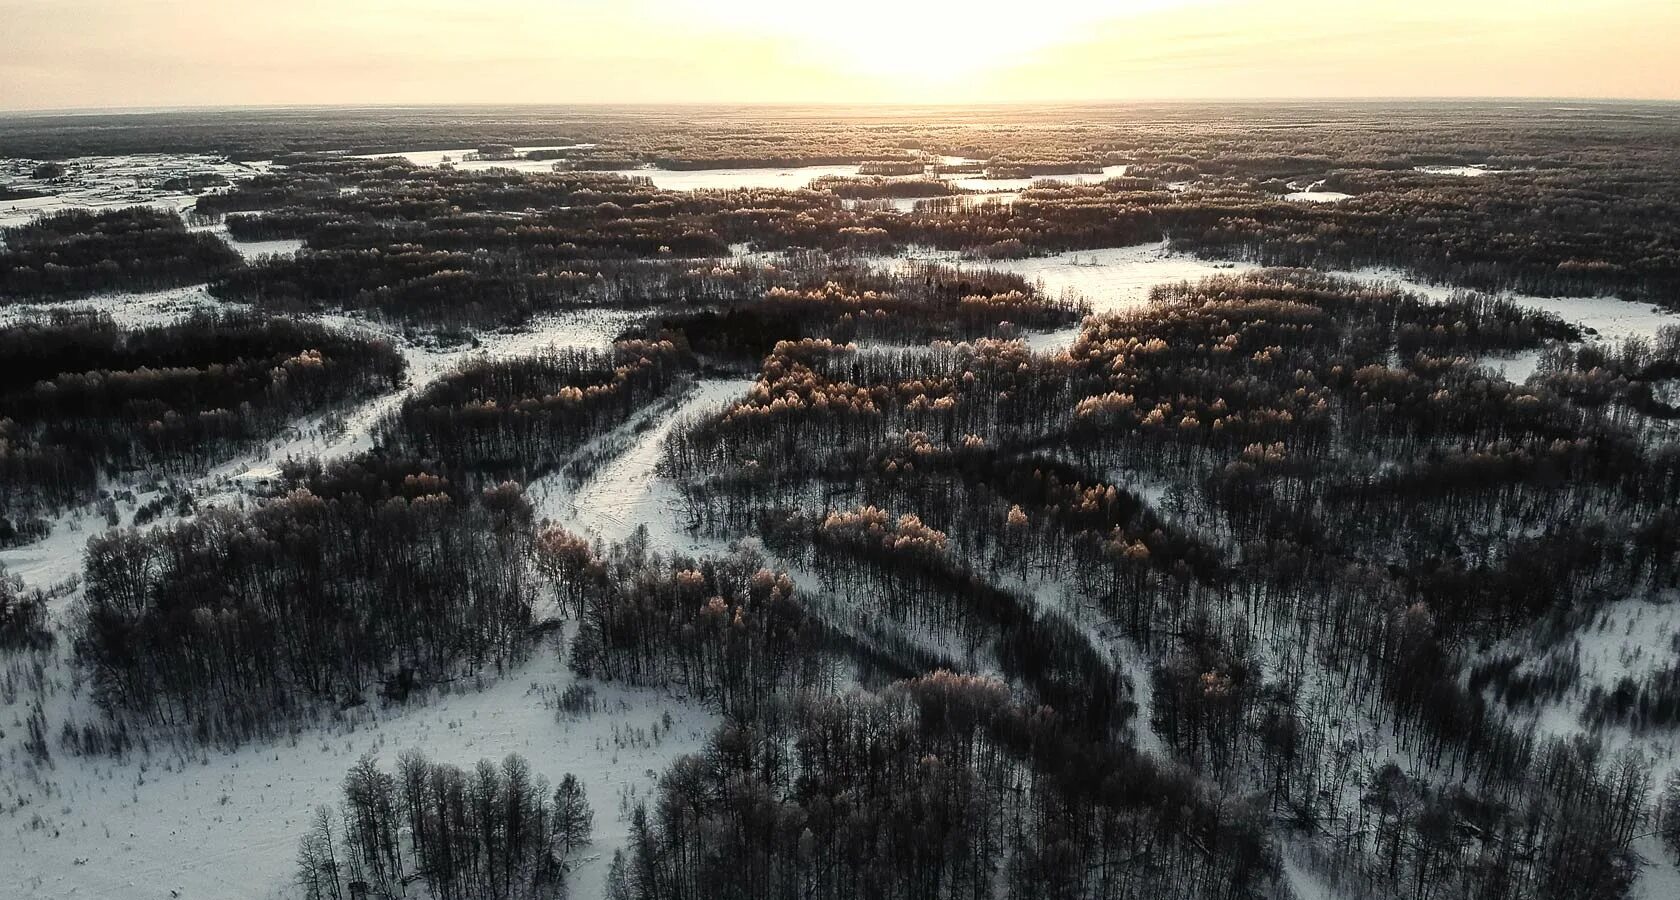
{"x":56,"y":558}
{"x":1516,"y":368}
{"x":629,"y":491}
{"x":1110,"y":280}
{"x":1312,"y":194}
{"x":1120,"y":278}
{"x":1609,"y":318}
{"x":1302,"y":881}
{"x":794,"y":178}
{"x":117,"y":828}
{"x":945,"y":203}
{"x":788,"y":179}
{"x":1020,"y":184}
{"x":1659,"y":878}
{"x":1630,"y":638}
{"x":254,"y":249}
{"x":1667,"y":391}
{"x":120,"y":829}
{"x":127,"y":310}
{"x":1458,"y":171}
{"x":112,"y":182}
{"x":457,"y":158}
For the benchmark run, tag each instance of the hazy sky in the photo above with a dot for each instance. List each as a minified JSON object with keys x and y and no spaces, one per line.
{"x":115,"y":53}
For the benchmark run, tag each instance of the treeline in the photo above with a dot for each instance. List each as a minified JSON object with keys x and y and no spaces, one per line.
{"x":80,"y":396}
{"x":77,"y":252}
{"x":23,"y":613}
{"x":728,"y":630}
{"x":856,"y":303}
{"x":879,"y":188}
{"x":1632,"y":374}
{"x":1518,"y":230}
{"x":522,"y":416}
{"x":494,"y":833}
{"x":608,"y":244}
{"x":1521,"y":229}
{"x":373,"y":577}
{"x":1283,"y":138}
{"x":937,"y":787}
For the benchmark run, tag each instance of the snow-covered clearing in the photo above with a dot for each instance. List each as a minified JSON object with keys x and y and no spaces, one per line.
{"x":466,"y":158}
{"x":1121,"y":278}
{"x":1609,"y":318}
{"x":225,"y":825}
{"x":1020,"y":184}
{"x":1303,"y":882}
{"x":1475,"y":171}
{"x":1110,"y":280}
{"x":113,"y":182}
{"x":1514,"y":367}
{"x":126,"y":310}
{"x":790,"y":178}
{"x":629,"y":491}
{"x":1311,"y":194}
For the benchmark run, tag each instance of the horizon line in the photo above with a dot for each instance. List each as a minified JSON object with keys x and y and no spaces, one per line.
{"x":68,"y":111}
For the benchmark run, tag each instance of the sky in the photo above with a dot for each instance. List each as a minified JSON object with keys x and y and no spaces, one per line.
{"x":57,"y":54}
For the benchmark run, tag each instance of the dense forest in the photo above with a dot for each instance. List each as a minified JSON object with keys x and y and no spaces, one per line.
{"x":376,"y":576}
{"x":82,"y":398}
{"x":523,"y":416}
{"x":76,"y":252}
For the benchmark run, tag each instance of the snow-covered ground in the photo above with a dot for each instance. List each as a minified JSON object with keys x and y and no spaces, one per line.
{"x":1459,"y":171}
{"x":1120,"y":278}
{"x":781,"y":177}
{"x":629,"y":491}
{"x":1608,"y":317}
{"x":127,"y":310}
{"x":1311,"y":194}
{"x":225,"y":825}
{"x":463,"y":158}
{"x":277,"y":247}
{"x":109,"y":182}
{"x":1110,"y":280}
{"x":974,"y":183}
{"x":97,"y":827}
{"x":1513,"y":367}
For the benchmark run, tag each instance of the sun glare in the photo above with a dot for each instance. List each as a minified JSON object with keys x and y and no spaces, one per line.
{"x":937,"y":43}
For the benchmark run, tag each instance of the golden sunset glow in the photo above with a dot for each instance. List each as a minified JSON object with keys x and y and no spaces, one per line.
{"x":91,"y":53}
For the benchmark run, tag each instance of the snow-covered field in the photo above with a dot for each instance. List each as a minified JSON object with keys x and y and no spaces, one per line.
{"x":1311,"y":194}
{"x":225,"y":826}
{"x":1608,"y":318}
{"x":105,"y":182}
{"x":790,"y":178}
{"x":1120,"y":278}
{"x":464,"y":158}
{"x":1459,"y":171}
